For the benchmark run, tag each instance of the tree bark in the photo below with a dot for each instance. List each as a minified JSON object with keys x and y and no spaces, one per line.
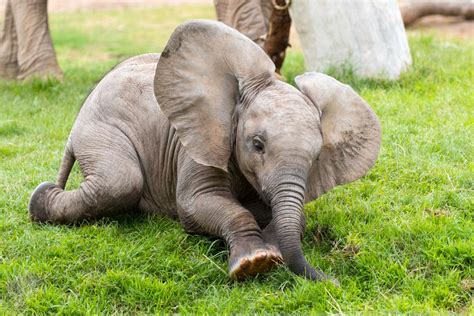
{"x":260,"y":21}
{"x":278,"y":34}
{"x":26,"y":48}
{"x":412,"y":11}
{"x":368,"y":37}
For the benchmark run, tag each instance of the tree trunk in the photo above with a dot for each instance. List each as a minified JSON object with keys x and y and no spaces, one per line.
{"x":366,"y":36}
{"x":278,"y":34}
{"x":412,"y":11}
{"x":26,"y":48}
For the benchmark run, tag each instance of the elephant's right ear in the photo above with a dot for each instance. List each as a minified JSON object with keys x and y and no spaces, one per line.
{"x":205,"y":69}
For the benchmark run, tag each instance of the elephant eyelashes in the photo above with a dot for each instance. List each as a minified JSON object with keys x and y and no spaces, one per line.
{"x":258,"y":145}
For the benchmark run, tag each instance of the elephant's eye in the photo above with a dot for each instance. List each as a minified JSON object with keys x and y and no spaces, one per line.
{"x":258,"y":145}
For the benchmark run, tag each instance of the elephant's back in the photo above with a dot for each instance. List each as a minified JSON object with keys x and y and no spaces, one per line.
{"x":124,"y":101}
{"x":129,"y":86}
{"x":126,"y":90}
{"x":151,"y":58}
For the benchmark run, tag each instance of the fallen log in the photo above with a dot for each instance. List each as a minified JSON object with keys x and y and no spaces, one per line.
{"x":413,"y":11}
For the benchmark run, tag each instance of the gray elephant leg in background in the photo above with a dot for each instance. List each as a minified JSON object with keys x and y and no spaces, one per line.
{"x":8,"y":46}
{"x":36,"y":55}
{"x":267,"y":8}
{"x":250,"y":17}
{"x":113,"y":182}
{"x":206,"y":205}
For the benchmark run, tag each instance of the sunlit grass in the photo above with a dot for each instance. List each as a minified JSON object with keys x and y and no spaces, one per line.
{"x":400,"y":239}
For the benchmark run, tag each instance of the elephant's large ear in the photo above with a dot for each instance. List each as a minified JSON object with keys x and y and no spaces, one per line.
{"x":205,"y":69}
{"x":350,"y":129}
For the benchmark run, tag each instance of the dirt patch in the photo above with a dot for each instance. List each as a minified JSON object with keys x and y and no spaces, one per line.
{"x":85,"y":5}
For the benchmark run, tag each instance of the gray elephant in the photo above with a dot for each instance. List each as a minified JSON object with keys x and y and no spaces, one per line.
{"x":249,"y":17}
{"x":26,"y":49}
{"x":228,"y":150}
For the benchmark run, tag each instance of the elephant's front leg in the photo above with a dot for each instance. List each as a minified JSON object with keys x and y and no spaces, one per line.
{"x":206,"y":205}
{"x":221,"y":215}
{"x":263,"y":215}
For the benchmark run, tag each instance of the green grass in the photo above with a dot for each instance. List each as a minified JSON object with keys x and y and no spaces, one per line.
{"x":400,"y":239}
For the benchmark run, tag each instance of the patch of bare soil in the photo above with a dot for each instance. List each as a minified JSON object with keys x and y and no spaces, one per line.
{"x":87,"y":5}
{"x":84,"y":5}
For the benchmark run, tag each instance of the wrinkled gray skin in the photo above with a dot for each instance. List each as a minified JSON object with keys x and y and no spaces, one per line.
{"x":26,"y":49}
{"x":229,"y":151}
{"x":249,"y":17}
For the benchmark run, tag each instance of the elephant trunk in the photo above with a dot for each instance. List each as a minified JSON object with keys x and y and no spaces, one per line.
{"x":287,"y":208}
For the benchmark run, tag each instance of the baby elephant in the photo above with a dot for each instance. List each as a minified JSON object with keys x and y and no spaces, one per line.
{"x":206,"y":134}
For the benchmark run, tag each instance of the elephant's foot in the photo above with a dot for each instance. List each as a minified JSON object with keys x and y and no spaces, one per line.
{"x":37,"y":205}
{"x":43,"y":71}
{"x":8,"y":70}
{"x":245,"y":263}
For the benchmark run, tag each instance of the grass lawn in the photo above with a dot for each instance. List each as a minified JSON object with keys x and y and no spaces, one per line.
{"x":400,"y":239}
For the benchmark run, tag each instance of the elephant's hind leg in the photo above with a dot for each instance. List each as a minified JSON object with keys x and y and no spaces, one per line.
{"x":109,"y":187}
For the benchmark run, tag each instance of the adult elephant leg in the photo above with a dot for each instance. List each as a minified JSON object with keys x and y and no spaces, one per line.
{"x":113,"y":183}
{"x":249,"y":17}
{"x":36,"y":55}
{"x":8,"y":46}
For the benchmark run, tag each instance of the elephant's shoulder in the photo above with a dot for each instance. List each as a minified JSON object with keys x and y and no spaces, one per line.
{"x":138,"y":70}
{"x":130,"y":80}
{"x":128,"y":85}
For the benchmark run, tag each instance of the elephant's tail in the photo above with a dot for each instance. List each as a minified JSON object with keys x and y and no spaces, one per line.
{"x":66,"y":165}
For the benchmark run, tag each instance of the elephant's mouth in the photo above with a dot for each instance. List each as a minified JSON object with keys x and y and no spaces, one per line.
{"x":260,"y":187}
{"x":265,"y":197}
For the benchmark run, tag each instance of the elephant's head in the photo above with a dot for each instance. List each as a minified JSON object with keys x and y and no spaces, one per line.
{"x":219,"y":92}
